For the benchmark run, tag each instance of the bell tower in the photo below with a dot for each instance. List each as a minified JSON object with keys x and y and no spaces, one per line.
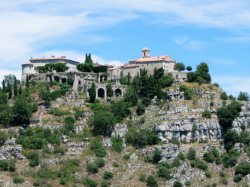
{"x":145,"y":52}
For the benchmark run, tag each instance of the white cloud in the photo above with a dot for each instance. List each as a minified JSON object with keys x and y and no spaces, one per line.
{"x":181,"y":40}
{"x":223,"y":62}
{"x":195,"y":45}
{"x":233,"y":84}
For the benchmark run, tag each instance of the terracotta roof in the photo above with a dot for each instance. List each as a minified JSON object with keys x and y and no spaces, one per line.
{"x":117,"y":67}
{"x":131,"y":65}
{"x":27,"y":63}
{"x":53,"y":58}
{"x":157,"y":58}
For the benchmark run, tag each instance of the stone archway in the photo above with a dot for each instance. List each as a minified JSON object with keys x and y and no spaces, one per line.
{"x":118,"y":92}
{"x":64,"y":80}
{"x":56,"y":78}
{"x":101,"y":93}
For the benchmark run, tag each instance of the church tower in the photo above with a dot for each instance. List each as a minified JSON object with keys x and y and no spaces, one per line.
{"x":145,"y":52}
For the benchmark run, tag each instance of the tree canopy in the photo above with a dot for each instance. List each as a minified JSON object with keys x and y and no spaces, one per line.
{"x":179,"y":66}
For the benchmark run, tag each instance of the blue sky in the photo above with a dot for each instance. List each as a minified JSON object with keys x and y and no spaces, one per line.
{"x":192,"y":31}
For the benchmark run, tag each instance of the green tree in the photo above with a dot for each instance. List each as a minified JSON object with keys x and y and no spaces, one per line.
{"x":3,"y":98}
{"x":188,"y":92}
{"x":179,"y":66}
{"x":166,"y":81}
{"x":158,"y":73}
{"x":206,"y":114}
{"x":110,"y":92}
{"x":224,"y":96}
{"x":3,"y":137}
{"x":131,"y":96}
{"x":22,"y":111}
{"x":15,"y":87}
{"x":243,"y":168}
{"x":230,"y":138}
{"x":6,"y":114}
{"x":189,"y":68}
{"x":144,"y":81}
{"x":123,"y":79}
{"x":9,"y":79}
{"x":140,"y":109}
{"x":243,"y":96}
{"x":4,"y":88}
{"x":27,"y":81}
{"x":34,"y":158}
{"x":120,"y":110}
{"x":92,"y":93}
{"x":10,"y":91}
{"x":151,"y":89}
{"x":159,"y":92}
{"x":191,"y":154}
{"x":177,"y":184}
{"x":163,"y":172}
{"x":102,"y":122}
{"x":50,"y":81}
{"x":60,"y":67}
{"x":129,"y":78}
{"x":20,"y":91}
{"x":151,"y":181}
{"x":203,"y":67}
{"x":70,"y":81}
{"x":45,"y":95}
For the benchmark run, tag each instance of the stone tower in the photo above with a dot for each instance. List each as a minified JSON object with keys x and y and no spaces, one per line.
{"x":145,"y":52}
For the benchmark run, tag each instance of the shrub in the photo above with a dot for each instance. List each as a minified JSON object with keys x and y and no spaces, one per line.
{"x":101,"y":152}
{"x":115,"y":165}
{"x":4,"y":165}
{"x":105,"y":183}
{"x":208,"y":174}
{"x":188,"y":92}
{"x":183,"y":171}
{"x":108,"y":175}
{"x":142,"y":177}
{"x":218,"y":160}
{"x":211,"y":103}
{"x":148,"y":158}
{"x":214,"y":184}
{"x":59,"y":150}
{"x":34,"y":159}
{"x":188,"y":183}
{"x":12,"y":166}
{"x":62,"y":181}
{"x":175,"y":141}
{"x":229,"y":161}
{"x":243,"y":96}
{"x":92,"y":168}
{"x":194,"y":128}
{"x":70,"y":81}
{"x":163,"y":172}
{"x":151,"y":181}
{"x":243,"y":168}
{"x":18,"y":180}
{"x":177,"y":184}
{"x":223,"y":181}
{"x":238,"y":178}
{"x":216,"y":84}
{"x":89,"y":182}
{"x":176,"y":162}
{"x":208,"y":157}
{"x":157,"y":156}
{"x":146,"y":101}
{"x":181,"y":156}
{"x":224,"y":96}
{"x":206,"y":114}
{"x":201,"y":165}
{"x":126,"y":157}
{"x":191,"y":154}
{"x":140,"y":109}
{"x":192,"y":163}
{"x":117,"y":144}
{"x":100,"y":162}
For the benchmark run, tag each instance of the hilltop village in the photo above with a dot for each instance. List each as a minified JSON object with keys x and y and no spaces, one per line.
{"x":151,"y":122}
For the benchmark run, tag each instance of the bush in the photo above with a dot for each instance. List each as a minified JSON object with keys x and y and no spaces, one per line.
{"x":214,"y":184}
{"x":12,"y":166}
{"x":208,"y":157}
{"x":117,"y":144}
{"x":100,"y":162}
{"x":62,"y":181}
{"x":157,"y":156}
{"x":238,"y":178}
{"x":191,"y":154}
{"x":148,"y":158}
{"x":243,"y":96}
{"x":142,"y":177}
{"x":177,"y":184}
{"x":101,"y":152}
{"x":229,"y":161}
{"x":89,"y":182}
{"x":224,"y":96}
{"x":183,"y":171}
{"x":188,"y":92}
{"x":70,"y":81}
{"x":223,"y":181}
{"x":175,"y":141}
{"x":201,"y":165}
{"x":176,"y":162}
{"x":181,"y":156}
{"x":211,"y":103}
{"x":151,"y":181}
{"x":105,"y":183}
{"x":192,"y":163}
{"x":126,"y":157}
{"x":140,"y":109}
{"x":206,"y":114}
{"x":4,"y":165}
{"x":208,"y":174}
{"x":216,"y":84}
{"x":92,"y":168}
{"x":34,"y":159}
{"x":18,"y":180}
{"x":115,"y":165}
{"x":188,"y":183}
{"x":243,"y":168}
{"x":163,"y":172}
{"x":59,"y":150}
{"x":194,"y":128}
{"x":146,"y":101}
{"x":107,"y":175}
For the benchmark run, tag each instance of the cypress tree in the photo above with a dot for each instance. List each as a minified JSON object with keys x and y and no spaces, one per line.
{"x":15,"y":88}
{"x":92,"y":93}
{"x":10,"y":91}
{"x":20,"y":91}
{"x":90,"y":60}
{"x":27,"y":81}
{"x":86,"y":58}
{"x":50,"y":81}
{"x":4,"y":89}
{"x":47,"y":87}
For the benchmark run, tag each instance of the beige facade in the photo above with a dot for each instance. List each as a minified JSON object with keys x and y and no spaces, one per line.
{"x":147,"y":62}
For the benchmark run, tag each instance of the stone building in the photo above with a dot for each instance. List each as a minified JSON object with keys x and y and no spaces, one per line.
{"x":28,"y":68}
{"x":149,"y":63}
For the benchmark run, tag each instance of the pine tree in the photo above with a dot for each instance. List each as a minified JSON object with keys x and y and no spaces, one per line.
{"x":50,"y":81}
{"x":27,"y":81}
{"x":86,"y":58}
{"x":4,"y":89}
{"x":10,"y":91}
{"x":92,"y":93}
{"x":20,"y":91}
{"x":47,"y":87}
{"x":128,"y":78}
{"x":15,"y":88}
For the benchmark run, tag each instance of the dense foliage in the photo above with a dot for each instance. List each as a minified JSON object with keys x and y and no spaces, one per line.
{"x":201,"y":74}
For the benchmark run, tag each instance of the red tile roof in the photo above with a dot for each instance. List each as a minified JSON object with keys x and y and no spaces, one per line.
{"x":157,"y":58}
{"x":131,"y":65}
{"x":27,"y":63}
{"x":117,"y":67}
